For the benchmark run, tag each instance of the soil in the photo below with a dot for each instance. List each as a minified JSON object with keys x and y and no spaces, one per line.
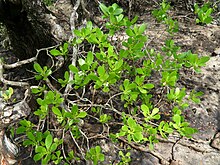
{"x":204,"y":147}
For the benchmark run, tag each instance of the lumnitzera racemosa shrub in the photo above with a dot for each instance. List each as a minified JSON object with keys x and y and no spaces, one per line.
{"x":129,"y":73}
{"x":203,"y":13}
{"x":95,"y":155}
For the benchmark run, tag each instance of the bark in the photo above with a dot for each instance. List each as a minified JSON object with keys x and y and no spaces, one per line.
{"x":31,"y":26}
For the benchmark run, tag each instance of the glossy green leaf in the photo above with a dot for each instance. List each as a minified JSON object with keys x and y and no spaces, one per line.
{"x":73,"y":69}
{"x":56,"y":111}
{"x":55,"y":52}
{"x":101,"y":70}
{"x":145,"y":109}
{"x":38,"y":68}
{"x":104,"y":9}
{"x":38,"y":156}
{"x":89,"y":58}
{"x":155,"y":111}
{"x":48,"y":141}
{"x":142,"y":29}
{"x":82,"y":114}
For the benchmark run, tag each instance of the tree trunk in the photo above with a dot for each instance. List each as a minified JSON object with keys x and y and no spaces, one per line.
{"x":31,"y":26}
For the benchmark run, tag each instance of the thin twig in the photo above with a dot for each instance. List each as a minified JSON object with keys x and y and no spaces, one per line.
{"x":87,"y":140}
{"x":83,"y":155}
{"x":12,"y":83}
{"x":73,"y":18}
{"x":19,"y":63}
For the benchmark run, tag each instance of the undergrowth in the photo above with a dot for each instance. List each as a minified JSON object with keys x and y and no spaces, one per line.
{"x":117,"y":85}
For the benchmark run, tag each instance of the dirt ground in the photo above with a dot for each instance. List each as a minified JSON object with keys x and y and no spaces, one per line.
{"x":203,"y":148}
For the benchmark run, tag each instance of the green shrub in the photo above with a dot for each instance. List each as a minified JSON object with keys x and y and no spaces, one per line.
{"x":129,"y":73}
{"x":203,"y":13}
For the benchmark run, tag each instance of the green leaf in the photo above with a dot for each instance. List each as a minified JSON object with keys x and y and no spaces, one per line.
{"x":118,"y":64}
{"x":38,"y":156}
{"x":142,"y":29}
{"x":203,"y":60}
{"x":101,"y":70}
{"x":130,"y":32}
{"x":81,"y":61}
{"x":93,"y":77}
{"x":148,"y":86}
{"x":120,"y":17}
{"x":208,"y":20}
{"x":138,"y":136}
{"x":82,"y":114}
{"x":89,"y":25}
{"x":77,"y":33}
{"x":46,"y":160}
{"x":189,"y":130}
{"x":209,"y":12}
{"x":73,"y":69}
{"x":74,"y":110}
{"x":89,"y":58}
{"x":131,"y":122}
{"x":65,"y":47}
{"x":48,"y":141}
{"x":134,"y":20}
{"x":104,"y":9}
{"x":39,"y":136}
{"x":31,"y":136}
{"x":145,"y":109}
{"x":20,"y":130}
{"x":56,"y":111}
{"x":38,"y":68}
{"x":118,"y":11}
{"x":155,"y":111}
{"x":55,"y":52}
{"x":177,"y":119}
{"x":53,"y":147}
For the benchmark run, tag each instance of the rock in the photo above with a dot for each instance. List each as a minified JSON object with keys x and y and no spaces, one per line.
{"x":216,"y":52}
{"x":216,"y":141}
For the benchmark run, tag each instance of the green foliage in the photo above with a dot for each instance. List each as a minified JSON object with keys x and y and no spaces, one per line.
{"x":46,"y":147}
{"x":95,"y":155}
{"x":194,"y":96}
{"x":104,"y":118}
{"x":43,"y":73}
{"x":39,"y":90}
{"x":164,"y":129}
{"x":50,"y":99}
{"x":125,"y":158}
{"x":180,"y":125}
{"x":150,"y":115}
{"x":25,"y":126}
{"x":6,"y":95}
{"x":49,"y":2}
{"x":44,"y":152}
{"x":132,"y":130}
{"x":64,"y":82}
{"x":116,"y":18}
{"x":130,"y":73}
{"x":69,"y":119}
{"x":192,"y":60}
{"x":63,"y":50}
{"x":162,"y":16}
{"x":203,"y":13}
